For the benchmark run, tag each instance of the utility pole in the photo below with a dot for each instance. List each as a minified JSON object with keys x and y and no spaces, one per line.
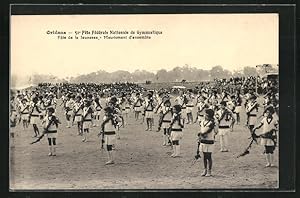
{"x":256,"y":83}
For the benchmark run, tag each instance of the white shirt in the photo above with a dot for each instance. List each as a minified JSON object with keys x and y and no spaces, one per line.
{"x":108,"y":126}
{"x":226,"y":119}
{"x":168,"y":116}
{"x":86,"y":114}
{"x":269,"y":124}
{"x":205,"y":125}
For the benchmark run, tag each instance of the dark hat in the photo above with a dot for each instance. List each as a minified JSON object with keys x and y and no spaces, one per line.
{"x":167,"y":100}
{"x":252,"y":97}
{"x":271,"y":109}
{"x":87,"y":102}
{"x":113,"y":100}
{"x":210,"y":113}
{"x":223,"y":103}
{"x":35,"y":99}
{"x":177,"y":108}
{"x":51,"y":109}
{"x":108,"y":110}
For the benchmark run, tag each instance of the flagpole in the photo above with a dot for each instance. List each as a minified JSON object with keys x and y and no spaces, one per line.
{"x":256,"y":79}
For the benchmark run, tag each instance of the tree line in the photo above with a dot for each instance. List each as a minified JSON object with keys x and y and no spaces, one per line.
{"x":177,"y":74}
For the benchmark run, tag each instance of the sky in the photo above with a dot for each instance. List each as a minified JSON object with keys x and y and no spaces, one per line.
{"x":198,"y":40}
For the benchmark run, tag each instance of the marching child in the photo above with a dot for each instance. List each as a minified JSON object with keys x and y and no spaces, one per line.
{"x":214,"y":105}
{"x":165,"y":121}
{"x":42,"y":107}
{"x":158,"y":109}
{"x":78,"y":106}
{"x":108,"y":130}
{"x":13,"y":121}
{"x":138,"y":106}
{"x":35,"y":115}
{"x":91,"y":99}
{"x":24,"y":111}
{"x":86,"y":119}
{"x":13,"y":113}
{"x":201,"y":106}
{"x":268,"y":135}
{"x":97,"y":110}
{"x":251,"y":112}
{"x":189,"y":107}
{"x":176,"y":126}
{"x":182,"y":101}
{"x":69,"y":109}
{"x":231,"y":106}
{"x":149,"y":108}
{"x":206,"y":138}
{"x":125,"y":103}
{"x":50,"y":124}
{"x":225,"y":119}
{"x":238,"y":106}
{"x":119,"y":120}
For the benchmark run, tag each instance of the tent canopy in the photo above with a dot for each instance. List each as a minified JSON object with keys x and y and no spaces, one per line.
{"x":179,"y":87}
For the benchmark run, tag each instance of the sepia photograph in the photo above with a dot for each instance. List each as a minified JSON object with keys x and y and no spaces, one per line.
{"x":144,"y":101}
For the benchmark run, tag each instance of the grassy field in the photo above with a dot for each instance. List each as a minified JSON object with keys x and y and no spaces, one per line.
{"x":141,"y":162}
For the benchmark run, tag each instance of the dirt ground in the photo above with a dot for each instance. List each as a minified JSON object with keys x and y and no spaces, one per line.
{"x":141,"y":161}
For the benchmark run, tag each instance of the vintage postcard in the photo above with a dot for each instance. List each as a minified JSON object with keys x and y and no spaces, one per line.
{"x":144,"y":101}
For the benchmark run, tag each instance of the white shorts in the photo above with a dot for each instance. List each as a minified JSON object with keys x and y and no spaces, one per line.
{"x":176,"y":135}
{"x":97,"y":113}
{"x":223,"y":131}
{"x":200,"y":118}
{"x":43,"y":114}
{"x":110,"y":139}
{"x":165,"y":125}
{"x":183,"y":113}
{"x":51,"y":135}
{"x":25,"y":117}
{"x":238,"y":109}
{"x":78,"y":119}
{"x":35,"y":119}
{"x":189,"y":109}
{"x":149,"y":114}
{"x":266,"y":142}
{"x":86,"y":124}
{"x":209,"y":148}
{"x":138,"y":109}
{"x":127,"y":110}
